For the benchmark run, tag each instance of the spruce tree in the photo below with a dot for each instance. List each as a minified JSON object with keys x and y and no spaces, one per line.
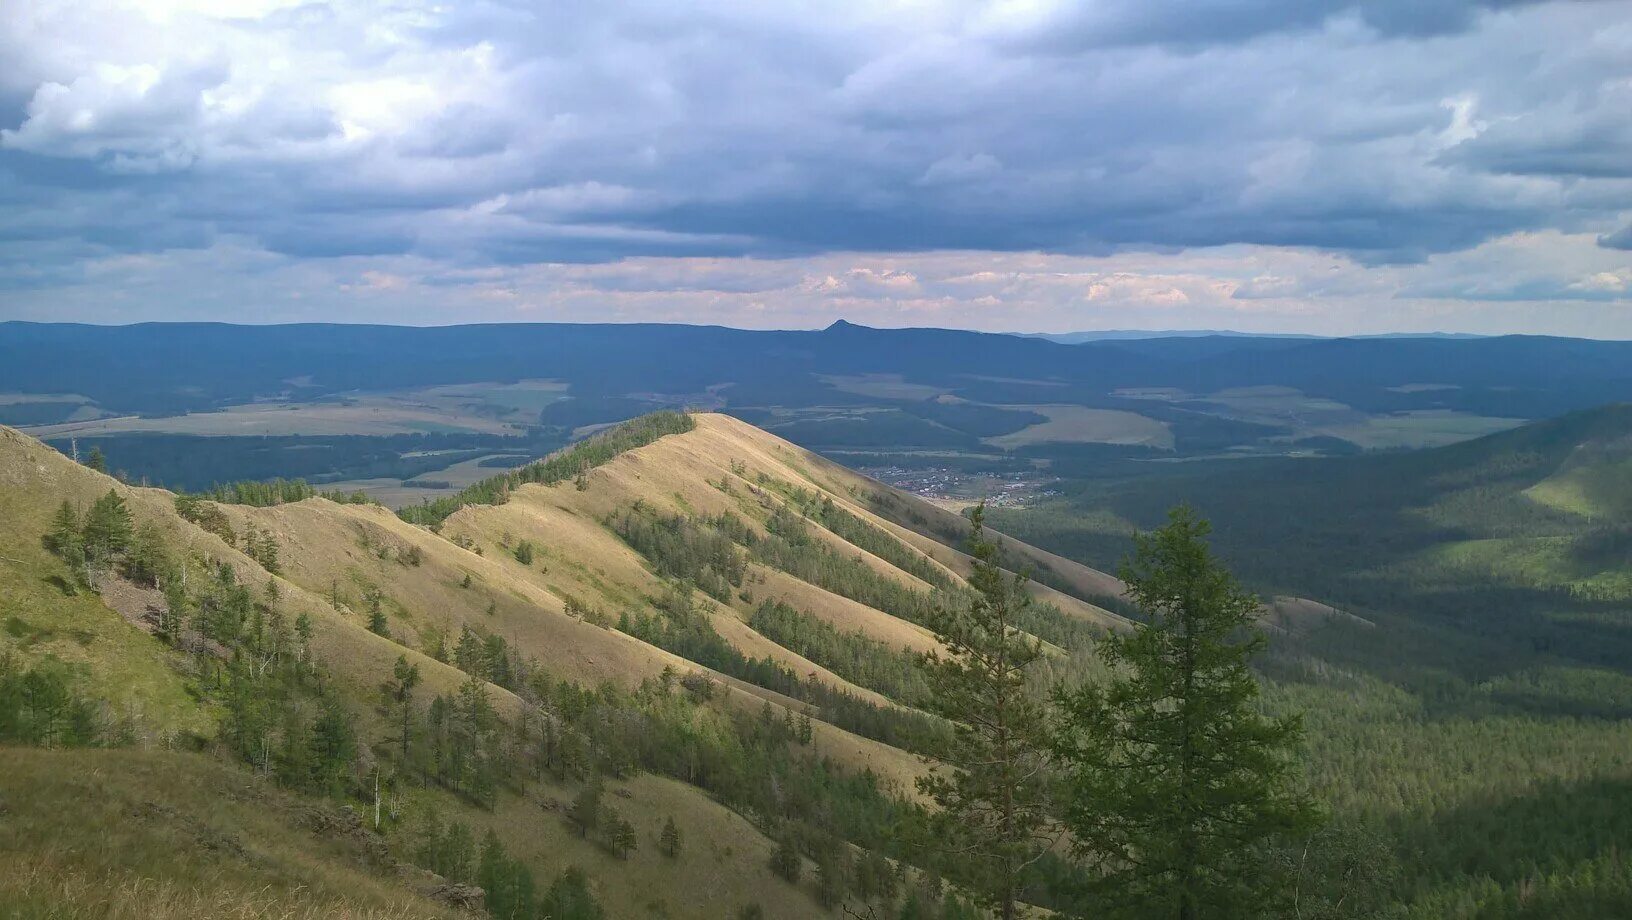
{"x":148,"y":560}
{"x":107,"y":528}
{"x":376,"y":616}
{"x":268,"y":555}
{"x":1177,"y":782}
{"x":470,"y":655}
{"x":992,"y":786}
{"x":66,"y":539}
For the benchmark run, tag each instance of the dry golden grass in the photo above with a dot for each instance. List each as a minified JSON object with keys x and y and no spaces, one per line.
{"x":326,"y":547}
{"x":842,"y":612}
{"x":724,"y":862}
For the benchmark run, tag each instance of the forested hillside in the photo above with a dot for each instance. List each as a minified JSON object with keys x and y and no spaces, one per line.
{"x":1472,"y":707}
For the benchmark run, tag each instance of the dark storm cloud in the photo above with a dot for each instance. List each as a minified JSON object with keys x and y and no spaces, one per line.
{"x":1077,"y":27}
{"x":512,"y":134}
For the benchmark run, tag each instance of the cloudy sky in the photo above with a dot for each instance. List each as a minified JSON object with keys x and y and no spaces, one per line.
{"x":1329,"y":166}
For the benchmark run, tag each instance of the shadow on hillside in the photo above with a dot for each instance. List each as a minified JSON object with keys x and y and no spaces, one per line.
{"x":1551,"y":827}
{"x":1558,"y":851}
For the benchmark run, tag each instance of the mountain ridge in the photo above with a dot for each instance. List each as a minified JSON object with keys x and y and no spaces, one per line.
{"x":377,"y":587}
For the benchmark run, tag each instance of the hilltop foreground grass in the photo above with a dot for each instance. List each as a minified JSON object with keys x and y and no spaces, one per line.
{"x":150,"y":834}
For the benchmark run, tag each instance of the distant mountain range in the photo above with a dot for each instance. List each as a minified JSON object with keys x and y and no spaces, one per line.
{"x":1114,"y":335}
{"x":166,"y":368}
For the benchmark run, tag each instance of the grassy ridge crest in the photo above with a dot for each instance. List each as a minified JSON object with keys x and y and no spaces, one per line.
{"x":557,"y":467}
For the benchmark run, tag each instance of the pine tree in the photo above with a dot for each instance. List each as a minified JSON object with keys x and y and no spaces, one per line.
{"x":175,"y":610}
{"x":620,"y":834}
{"x":496,"y":655}
{"x":474,"y":726}
{"x":668,"y":842}
{"x":96,"y":460}
{"x":333,"y":747}
{"x":507,"y":883}
{"x":785,"y":859}
{"x":833,"y":876}
{"x":992,"y":791}
{"x":586,"y":810}
{"x":569,"y":898}
{"x":407,"y":678}
{"x":303,"y":634}
{"x":1177,"y":782}
{"x":454,"y":852}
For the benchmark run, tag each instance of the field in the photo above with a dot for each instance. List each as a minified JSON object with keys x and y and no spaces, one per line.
{"x":1081,"y":425}
{"x":397,"y":493}
{"x":372,"y":416}
{"x":43,"y":408}
{"x":881,"y":386}
{"x":1307,"y":416}
{"x":1410,"y":430}
{"x":476,"y":408}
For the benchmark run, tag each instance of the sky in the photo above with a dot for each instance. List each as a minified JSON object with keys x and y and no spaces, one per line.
{"x":1316,"y":166}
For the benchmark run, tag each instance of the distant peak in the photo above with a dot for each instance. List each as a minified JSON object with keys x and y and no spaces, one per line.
{"x":840,"y":325}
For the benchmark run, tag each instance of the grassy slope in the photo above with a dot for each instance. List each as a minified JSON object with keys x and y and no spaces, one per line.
{"x":329,"y":550}
{"x":37,"y":617}
{"x":127,"y":834}
{"x":723,"y":865}
{"x":329,"y":547}
{"x":124,"y":664}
